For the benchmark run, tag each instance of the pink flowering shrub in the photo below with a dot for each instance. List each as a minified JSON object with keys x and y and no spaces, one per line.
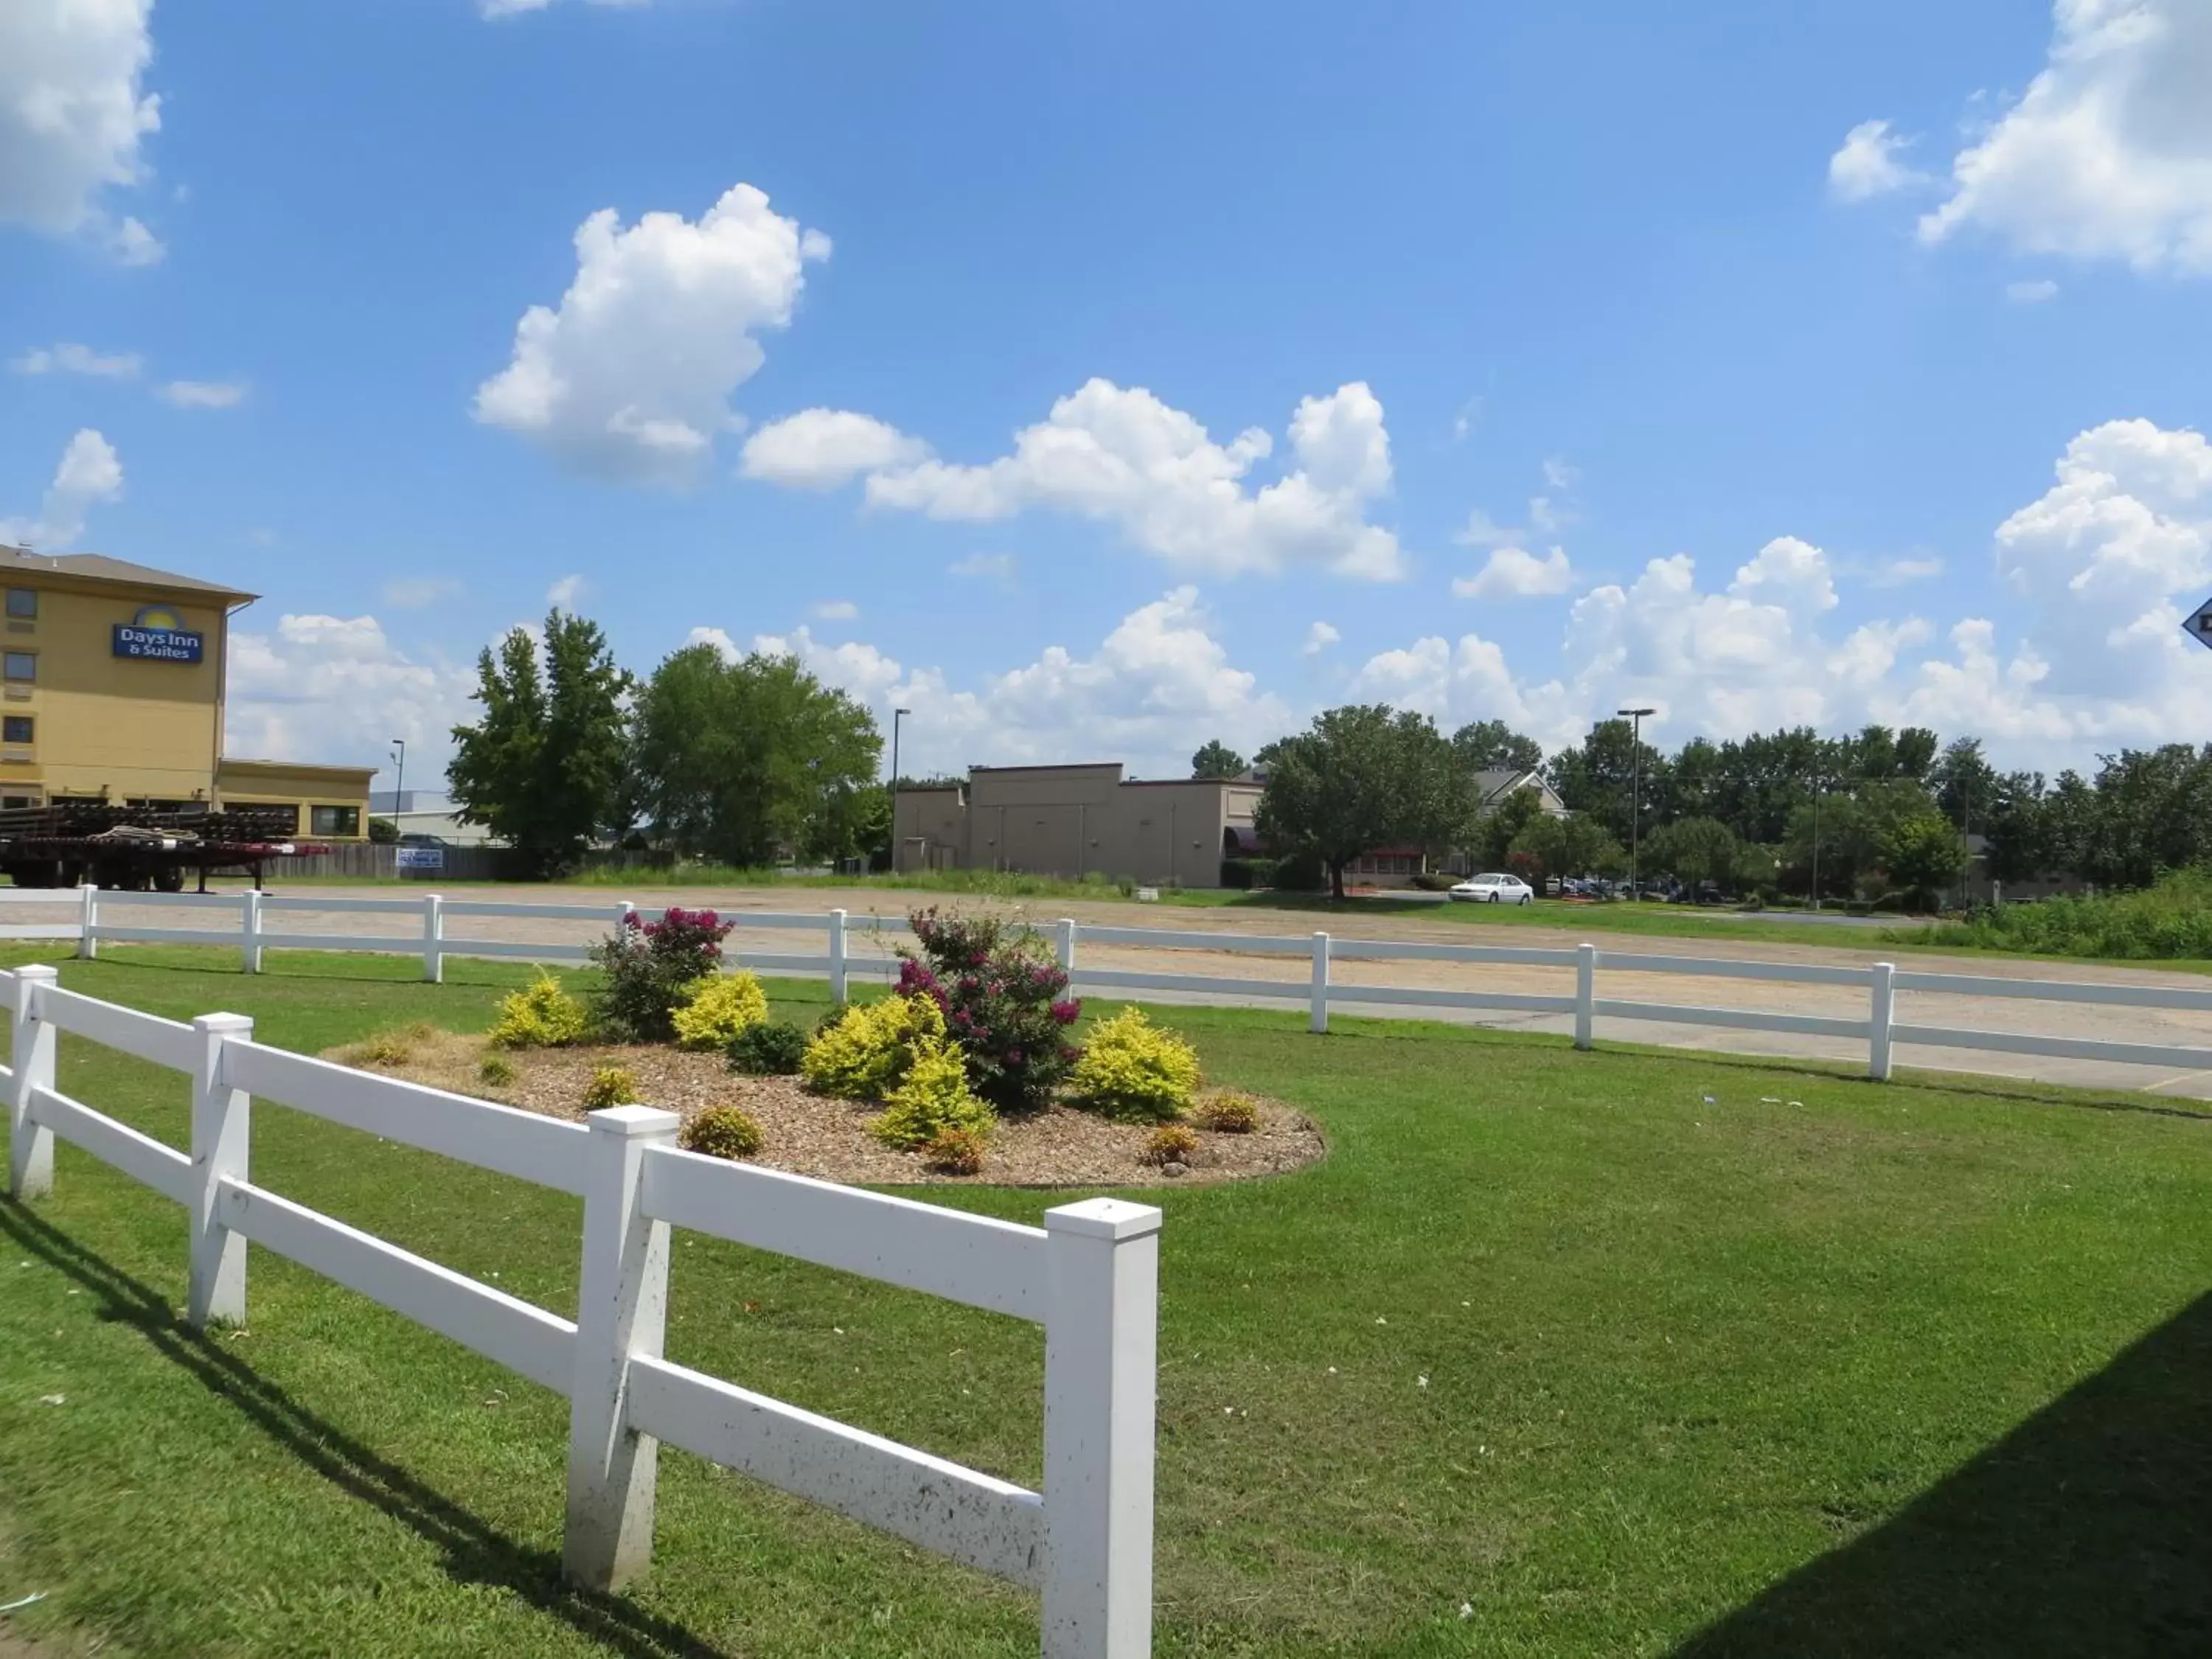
{"x":1005,"y":1002}
{"x":648,"y":970}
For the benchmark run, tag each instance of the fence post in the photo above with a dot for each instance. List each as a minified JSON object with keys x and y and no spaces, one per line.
{"x":1101,"y":1376}
{"x":1318,"y":1021}
{"x":1585,"y":993}
{"x":30,"y":1146}
{"x":434,"y":938}
{"x":837,"y":957}
{"x":622,"y":1308}
{"x":1064,"y":945}
{"x":88,"y":945}
{"x":249,"y":929}
{"x":221,"y":1142}
{"x":1883,"y":1014}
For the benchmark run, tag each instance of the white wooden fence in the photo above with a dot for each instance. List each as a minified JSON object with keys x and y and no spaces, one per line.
{"x":1089,"y":1276}
{"x":443,"y":922}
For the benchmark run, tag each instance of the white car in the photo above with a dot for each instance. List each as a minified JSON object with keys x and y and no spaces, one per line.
{"x":1494,"y":890}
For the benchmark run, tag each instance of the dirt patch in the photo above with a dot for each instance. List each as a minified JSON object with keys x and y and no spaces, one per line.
{"x":811,"y":1134}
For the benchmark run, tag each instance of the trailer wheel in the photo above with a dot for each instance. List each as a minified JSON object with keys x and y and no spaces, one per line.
{"x":170,"y":881}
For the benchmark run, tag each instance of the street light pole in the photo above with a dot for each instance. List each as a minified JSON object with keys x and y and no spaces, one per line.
{"x":898,"y":715}
{"x":1635,"y":792}
{"x":399,"y":788}
{"x":1818,"y":791}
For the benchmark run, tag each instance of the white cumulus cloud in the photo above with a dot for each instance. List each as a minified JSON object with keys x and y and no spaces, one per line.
{"x":2032,"y":293}
{"x":2108,"y":154}
{"x":203,"y":394}
{"x":89,"y":473}
{"x":1515,"y":573}
{"x":336,"y":689}
{"x":823,"y":448}
{"x":69,"y":359}
{"x":1870,"y":163}
{"x":74,"y":116}
{"x":1319,"y":638}
{"x":630,"y":377}
{"x":1121,"y":456}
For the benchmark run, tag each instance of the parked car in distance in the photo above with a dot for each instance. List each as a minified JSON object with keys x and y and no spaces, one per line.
{"x":1494,"y":890}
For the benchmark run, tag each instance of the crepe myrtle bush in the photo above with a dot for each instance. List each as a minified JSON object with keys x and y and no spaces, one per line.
{"x":650,"y":969}
{"x":1005,"y":1002}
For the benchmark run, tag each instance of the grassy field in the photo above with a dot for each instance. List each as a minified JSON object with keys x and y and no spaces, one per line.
{"x":1554,"y":1354}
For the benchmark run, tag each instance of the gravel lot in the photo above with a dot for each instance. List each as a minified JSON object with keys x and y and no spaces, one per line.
{"x":2171,"y":1026}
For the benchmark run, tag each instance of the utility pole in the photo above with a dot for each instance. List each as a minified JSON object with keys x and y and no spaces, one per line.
{"x":399,"y":788}
{"x":1635,"y":792}
{"x":897,"y":714}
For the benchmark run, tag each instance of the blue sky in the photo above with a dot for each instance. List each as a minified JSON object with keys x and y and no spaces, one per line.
{"x":1826,"y":419}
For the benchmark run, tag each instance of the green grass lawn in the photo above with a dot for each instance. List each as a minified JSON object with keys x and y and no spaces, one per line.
{"x":1623,"y":1353}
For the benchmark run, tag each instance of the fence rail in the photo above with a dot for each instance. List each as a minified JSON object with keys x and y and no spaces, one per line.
{"x":433,"y":919}
{"x":1089,"y":1276}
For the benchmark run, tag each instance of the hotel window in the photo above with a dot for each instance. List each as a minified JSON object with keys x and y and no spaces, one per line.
{"x":334,"y":821}
{"x":20,"y":665}
{"x":23,"y":604}
{"x":16,"y":728}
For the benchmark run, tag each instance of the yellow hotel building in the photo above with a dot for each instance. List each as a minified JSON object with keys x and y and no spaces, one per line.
{"x":111,"y":687}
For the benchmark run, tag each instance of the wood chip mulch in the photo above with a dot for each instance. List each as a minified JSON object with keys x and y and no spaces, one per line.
{"x":814,"y":1135}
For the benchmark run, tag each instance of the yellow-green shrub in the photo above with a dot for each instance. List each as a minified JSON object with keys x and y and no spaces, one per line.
{"x":719,"y":1007}
{"x":496,"y":1071}
{"x":543,"y":1017}
{"x":611,"y":1086}
{"x":1172,"y":1143}
{"x":957,"y":1151}
{"x":867,"y":1053}
{"x":932,"y":1097}
{"x":1229,"y":1114}
{"x":721,"y":1132}
{"x":1135,"y":1070}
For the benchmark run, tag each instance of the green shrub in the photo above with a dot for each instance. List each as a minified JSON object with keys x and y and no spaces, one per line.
{"x":2170,"y":921}
{"x":1172,"y":1143}
{"x":1135,"y":1070}
{"x":1300,"y":872}
{"x":385,"y":1048}
{"x":541,"y":1017}
{"x":957,"y":1151}
{"x":496,"y":1071}
{"x":1004,"y":1002}
{"x":1244,"y":874}
{"x":770,"y":1049}
{"x":611,"y":1086}
{"x":719,"y":1008}
{"x":721,"y":1132}
{"x":867,"y":1052}
{"x":1229,"y":1114}
{"x":933,"y":1097}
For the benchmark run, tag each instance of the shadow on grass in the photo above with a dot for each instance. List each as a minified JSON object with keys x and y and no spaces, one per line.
{"x":2087,"y":1530}
{"x":474,"y":1552}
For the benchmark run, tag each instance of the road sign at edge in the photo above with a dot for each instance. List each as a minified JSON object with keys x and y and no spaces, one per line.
{"x":2199,"y":627}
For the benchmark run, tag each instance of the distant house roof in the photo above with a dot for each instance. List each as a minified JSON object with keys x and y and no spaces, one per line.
{"x":1492,"y":786}
{"x":99,"y":568}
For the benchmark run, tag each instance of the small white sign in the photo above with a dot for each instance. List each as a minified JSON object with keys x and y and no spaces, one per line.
{"x":422,"y":860}
{"x":2199,"y":627}
{"x":1148,"y":896}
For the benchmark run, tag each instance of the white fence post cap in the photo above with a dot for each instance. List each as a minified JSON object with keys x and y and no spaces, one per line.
{"x":1104,"y":1218}
{"x":38,"y":970}
{"x":633,"y":1120}
{"x":222,"y":1023}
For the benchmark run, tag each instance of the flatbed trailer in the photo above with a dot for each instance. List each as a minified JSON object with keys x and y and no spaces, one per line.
{"x":135,"y":848}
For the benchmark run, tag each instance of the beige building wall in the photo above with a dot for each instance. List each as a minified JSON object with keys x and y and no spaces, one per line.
{"x":140,"y":730}
{"x":329,"y":803}
{"x":1073,"y":821}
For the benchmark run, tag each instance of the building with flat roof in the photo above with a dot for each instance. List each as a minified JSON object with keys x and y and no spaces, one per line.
{"x":111,"y":687}
{"x":1075,"y":821}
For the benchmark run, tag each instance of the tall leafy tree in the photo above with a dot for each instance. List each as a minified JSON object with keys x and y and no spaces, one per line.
{"x":1494,"y":746}
{"x":746,"y":762}
{"x":544,"y":768}
{"x":1361,"y":777}
{"x":1693,"y":849}
{"x":1216,"y":760}
{"x":1600,"y":777}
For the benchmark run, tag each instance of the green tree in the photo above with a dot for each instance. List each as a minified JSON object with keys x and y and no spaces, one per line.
{"x":1600,"y":777}
{"x":1494,"y":746}
{"x":1216,"y":760}
{"x":1694,"y":850}
{"x":1497,"y":829}
{"x":1571,"y":846}
{"x":1923,"y":854}
{"x":1360,"y":777}
{"x":750,"y":761}
{"x":544,"y":768}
